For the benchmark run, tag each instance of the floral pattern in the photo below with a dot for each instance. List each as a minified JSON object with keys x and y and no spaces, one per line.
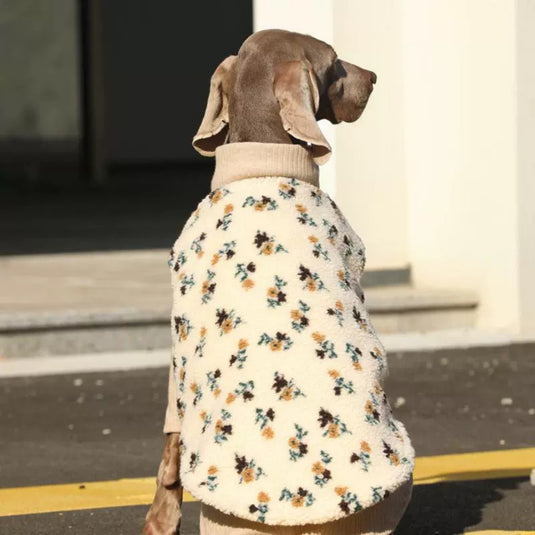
{"x":247,"y":470}
{"x":322,"y":474}
{"x":277,"y":368}
{"x":298,"y":448}
{"x":275,"y":296}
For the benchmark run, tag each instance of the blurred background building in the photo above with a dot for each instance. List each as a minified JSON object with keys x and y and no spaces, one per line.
{"x":99,"y":102}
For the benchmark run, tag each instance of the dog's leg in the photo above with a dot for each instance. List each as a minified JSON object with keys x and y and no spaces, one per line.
{"x":164,"y":515}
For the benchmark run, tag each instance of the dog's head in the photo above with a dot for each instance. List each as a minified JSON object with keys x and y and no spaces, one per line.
{"x":277,"y":88}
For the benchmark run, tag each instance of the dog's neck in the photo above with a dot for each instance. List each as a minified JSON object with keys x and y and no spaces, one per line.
{"x":248,"y":159}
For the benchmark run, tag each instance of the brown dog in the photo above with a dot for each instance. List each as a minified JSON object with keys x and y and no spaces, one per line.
{"x":273,"y":91}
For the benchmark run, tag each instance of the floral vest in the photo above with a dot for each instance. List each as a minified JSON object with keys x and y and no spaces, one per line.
{"x":278,"y":370}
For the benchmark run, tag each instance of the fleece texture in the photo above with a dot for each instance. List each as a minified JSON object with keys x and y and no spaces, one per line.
{"x":278,"y":371}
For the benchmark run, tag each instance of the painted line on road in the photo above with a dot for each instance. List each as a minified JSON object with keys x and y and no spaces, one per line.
{"x":140,"y":491}
{"x":500,"y":532}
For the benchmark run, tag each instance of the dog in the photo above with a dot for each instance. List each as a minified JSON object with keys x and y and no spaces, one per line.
{"x":269,"y":97}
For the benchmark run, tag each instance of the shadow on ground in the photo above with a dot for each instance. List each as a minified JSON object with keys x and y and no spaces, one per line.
{"x":454,"y":508}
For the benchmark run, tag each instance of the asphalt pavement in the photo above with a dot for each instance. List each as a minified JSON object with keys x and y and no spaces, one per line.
{"x":106,"y":426}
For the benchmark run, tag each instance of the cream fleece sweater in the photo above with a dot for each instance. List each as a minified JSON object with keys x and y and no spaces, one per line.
{"x":276,"y":379}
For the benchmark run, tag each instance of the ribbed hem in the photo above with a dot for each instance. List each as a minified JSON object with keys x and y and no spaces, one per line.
{"x":379,"y":519}
{"x":248,"y":159}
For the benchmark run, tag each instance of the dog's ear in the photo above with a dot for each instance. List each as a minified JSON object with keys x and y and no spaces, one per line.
{"x":296,"y":90}
{"x":214,"y":126}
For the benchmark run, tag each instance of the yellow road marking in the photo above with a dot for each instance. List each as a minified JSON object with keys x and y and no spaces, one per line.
{"x":140,"y":491}
{"x":500,"y":532}
{"x":473,"y":466}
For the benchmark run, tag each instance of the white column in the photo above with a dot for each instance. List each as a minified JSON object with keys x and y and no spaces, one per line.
{"x":470,"y":163}
{"x":370,"y":164}
{"x":525,"y":69}
{"x":312,"y":17}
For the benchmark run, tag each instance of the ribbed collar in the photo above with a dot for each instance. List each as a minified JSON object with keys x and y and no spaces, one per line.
{"x":248,"y":159}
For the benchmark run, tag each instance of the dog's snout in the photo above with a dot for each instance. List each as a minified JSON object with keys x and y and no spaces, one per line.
{"x":373,"y":77}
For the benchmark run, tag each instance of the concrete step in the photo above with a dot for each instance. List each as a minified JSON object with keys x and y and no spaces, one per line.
{"x":72,"y":303}
{"x":393,"y":309}
{"x":404,"y":308}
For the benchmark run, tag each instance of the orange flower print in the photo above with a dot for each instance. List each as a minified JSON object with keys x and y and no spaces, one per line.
{"x":268,"y":433}
{"x":333,"y":430}
{"x":299,"y":318}
{"x":222,"y":428}
{"x":298,"y":501}
{"x":300,"y":498}
{"x":227,"y":325}
{"x":287,"y":189}
{"x":349,"y":502}
{"x":182,"y":327}
{"x":338,"y":312}
{"x":286,"y":388}
{"x":322,"y":474}
{"x":318,"y":337}
{"x":276,"y":297}
{"x":267,"y":248}
{"x":332,"y":423}
{"x":196,"y":244}
{"x":275,"y":345}
{"x":215,"y":259}
{"x":326,"y":346}
{"x":261,"y":507}
{"x":311,"y":279}
{"x":264,"y":417}
{"x":303,"y":217}
{"x":248,"y":284}
{"x":261,"y":204}
{"x":226,"y":320}
{"x":298,"y":448}
{"x":355,"y":354}
{"x":211,"y":478}
{"x":247,"y":470}
{"x":226,"y":220}
{"x":281,"y":341}
{"x":340,"y":490}
{"x":263,"y":497}
{"x":216,"y":196}
{"x":247,"y":475}
{"x":239,"y":356}
{"x":318,"y":249}
{"x":266,"y":243}
{"x":393,"y":455}
{"x":293,"y":443}
{"x":317,"y":467}
{"x":362,"y":457}
{"x":231,"y":397}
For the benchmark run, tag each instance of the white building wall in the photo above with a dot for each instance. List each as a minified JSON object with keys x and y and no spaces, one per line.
{"x":461,"y":150}
{"x":370,"y":160}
